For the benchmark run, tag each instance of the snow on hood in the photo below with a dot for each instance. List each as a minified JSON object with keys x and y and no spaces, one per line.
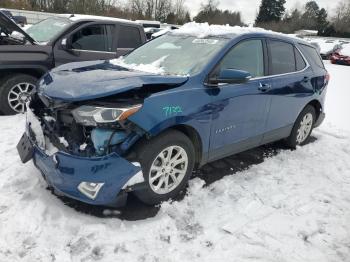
{"x":202,"y":30}
{"x":345,"y":50}
{"x":96,"y":79}
{"x":153,"y":68}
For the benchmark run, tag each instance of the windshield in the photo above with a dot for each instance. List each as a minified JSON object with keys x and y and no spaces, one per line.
{"x":177,"y":54}
{"x":47,"y":29}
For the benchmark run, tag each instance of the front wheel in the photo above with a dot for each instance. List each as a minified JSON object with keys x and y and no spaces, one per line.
{"x":167,"y":162}
{"x":302,"y":128}
{"x":15,"y":92}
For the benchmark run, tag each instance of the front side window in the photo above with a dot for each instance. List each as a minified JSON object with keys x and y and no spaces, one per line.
{"x":282,"y":58}
{"x":94,"y":38}
{"x":247,"y":56}
{"x":129,"y":37}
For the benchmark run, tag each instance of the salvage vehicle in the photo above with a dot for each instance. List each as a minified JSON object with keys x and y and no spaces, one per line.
{"x":98,"y":131}
{"x":25,"y":56}
{"x":341,"y":56}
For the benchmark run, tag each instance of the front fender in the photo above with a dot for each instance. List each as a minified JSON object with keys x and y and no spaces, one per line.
{"x":180,"y":106}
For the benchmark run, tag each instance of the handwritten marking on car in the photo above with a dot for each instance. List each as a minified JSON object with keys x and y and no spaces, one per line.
{"x":172,"y":110}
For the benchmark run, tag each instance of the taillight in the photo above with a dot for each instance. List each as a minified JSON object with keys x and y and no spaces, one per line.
{"x":327,"y":78}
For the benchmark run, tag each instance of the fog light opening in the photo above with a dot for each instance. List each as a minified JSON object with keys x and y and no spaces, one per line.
{"x":90,"y":189}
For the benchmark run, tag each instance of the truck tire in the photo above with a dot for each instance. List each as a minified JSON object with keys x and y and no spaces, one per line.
{"x":167,"y":162}
{"x":15,"y":91}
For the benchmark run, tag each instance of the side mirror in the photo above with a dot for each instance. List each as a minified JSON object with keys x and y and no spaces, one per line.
{"x":231,"y":76}
{"x":64,"y":44}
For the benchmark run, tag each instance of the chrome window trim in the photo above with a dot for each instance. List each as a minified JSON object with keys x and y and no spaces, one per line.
{"x":93,"y":51}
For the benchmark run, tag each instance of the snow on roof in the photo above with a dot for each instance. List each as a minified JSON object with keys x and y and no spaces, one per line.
{"x":78,"y":17}
{"x":345,"y":50}
{"x":202,"y":30}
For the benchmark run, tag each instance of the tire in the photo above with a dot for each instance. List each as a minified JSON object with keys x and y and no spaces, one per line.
{"x":20,"y":84}
{"x":148,"y":154}
{"x":302,"y":128}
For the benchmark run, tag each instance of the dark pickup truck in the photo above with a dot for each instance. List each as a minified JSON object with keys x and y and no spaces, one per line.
{"x":26,"y":55}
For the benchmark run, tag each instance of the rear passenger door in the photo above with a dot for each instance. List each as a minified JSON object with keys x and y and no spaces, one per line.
{"x":128,"y":38}
{"x":290,"y":86}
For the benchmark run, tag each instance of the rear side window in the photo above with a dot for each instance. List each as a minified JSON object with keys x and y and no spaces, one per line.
{"x":248,"y":56}
{"x":129,"y":37}
{"x":299,"y":60}
{"x":312,"y":54}
{"x":282,"y":59}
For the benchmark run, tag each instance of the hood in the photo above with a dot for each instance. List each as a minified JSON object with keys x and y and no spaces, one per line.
{"x":9,"y":26}
{"x":90,"y":80}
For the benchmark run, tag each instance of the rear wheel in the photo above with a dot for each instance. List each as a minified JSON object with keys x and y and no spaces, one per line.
{"x":303,"y":127}
{"x":15,"y":92}
{"x":167,"y":162}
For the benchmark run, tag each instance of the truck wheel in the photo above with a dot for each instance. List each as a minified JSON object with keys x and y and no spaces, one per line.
{"x":167,"y":162}
{"x":15,"y":91}
{"x":302,"y":127}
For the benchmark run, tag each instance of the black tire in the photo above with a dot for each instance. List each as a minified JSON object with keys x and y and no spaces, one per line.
{"x":6,"y":84}
{"x":147,"y":152}
{"x":292,"y":140}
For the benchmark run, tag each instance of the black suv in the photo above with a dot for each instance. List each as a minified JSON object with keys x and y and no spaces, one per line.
{"x":26,"y":55}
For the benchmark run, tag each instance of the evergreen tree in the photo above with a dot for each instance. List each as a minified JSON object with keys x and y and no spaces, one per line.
{"x":310,"y":15}
{"x":322,"y":22}
{"x":270,"y":11}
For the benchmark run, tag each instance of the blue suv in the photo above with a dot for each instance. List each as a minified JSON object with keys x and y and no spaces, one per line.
{"x":100,"y":130}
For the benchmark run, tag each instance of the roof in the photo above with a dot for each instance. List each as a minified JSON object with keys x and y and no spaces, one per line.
{"x":202,"y":30}
{"x":78,"y":17}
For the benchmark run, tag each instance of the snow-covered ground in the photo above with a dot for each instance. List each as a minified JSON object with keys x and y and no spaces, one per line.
{"x":293,"y":206}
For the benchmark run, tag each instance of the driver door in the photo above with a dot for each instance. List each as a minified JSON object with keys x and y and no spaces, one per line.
{"x":240,"y":122}
{"x":89,"y":42}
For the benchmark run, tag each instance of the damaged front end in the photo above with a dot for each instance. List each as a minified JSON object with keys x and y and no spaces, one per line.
{"x":88,"y":129}
{"x":82,"y":148}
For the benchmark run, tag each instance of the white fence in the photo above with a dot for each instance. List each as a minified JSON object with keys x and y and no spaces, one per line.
{"x":33,"y":17}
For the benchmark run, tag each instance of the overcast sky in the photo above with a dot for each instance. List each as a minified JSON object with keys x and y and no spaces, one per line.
{"x":249,"y":8}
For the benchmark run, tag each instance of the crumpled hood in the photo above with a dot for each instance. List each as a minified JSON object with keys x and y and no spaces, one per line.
{"x":96,"y":79}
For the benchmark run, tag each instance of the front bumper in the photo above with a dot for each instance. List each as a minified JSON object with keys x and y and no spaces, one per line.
{"x":64,"y":172}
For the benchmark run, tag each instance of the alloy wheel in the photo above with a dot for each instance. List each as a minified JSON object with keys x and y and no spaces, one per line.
{"x":305,"y":128}
{"x":19,"y":95}
{"x":168,"y":169}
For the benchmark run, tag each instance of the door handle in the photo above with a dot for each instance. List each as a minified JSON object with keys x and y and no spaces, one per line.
{"x":306,"y":79}
{"x":264,"y":87}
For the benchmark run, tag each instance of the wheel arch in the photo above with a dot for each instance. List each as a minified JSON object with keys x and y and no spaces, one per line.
{"x":35,"y":72}
{"x":318,"y":107}
{"x":194,"y":136}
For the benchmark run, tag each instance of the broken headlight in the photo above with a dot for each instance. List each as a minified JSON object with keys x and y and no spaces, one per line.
{"x":93,"y":115}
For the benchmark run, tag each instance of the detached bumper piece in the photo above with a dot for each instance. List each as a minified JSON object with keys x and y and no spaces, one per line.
{"x":93,"y":180}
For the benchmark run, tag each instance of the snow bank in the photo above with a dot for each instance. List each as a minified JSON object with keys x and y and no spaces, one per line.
{"x":202,"y":30}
